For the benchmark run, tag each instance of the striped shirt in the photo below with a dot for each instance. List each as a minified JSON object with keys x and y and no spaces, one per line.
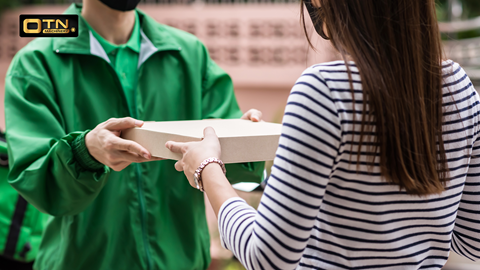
{"x":319,"y":212}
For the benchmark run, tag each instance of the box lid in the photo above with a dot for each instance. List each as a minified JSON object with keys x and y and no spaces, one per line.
{"x":224,"y":128}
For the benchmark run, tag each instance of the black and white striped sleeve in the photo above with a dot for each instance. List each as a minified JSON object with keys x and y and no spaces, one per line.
{"x":466,"y":234}
{"x":275,"y":236}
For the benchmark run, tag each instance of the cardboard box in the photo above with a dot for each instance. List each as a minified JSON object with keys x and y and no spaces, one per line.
{"x":241,"y":140}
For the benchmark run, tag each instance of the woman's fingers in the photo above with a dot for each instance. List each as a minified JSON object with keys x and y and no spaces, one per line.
{"x":211,"y":144}
{"x":179,"y":166}
{"x":176,"y":147}
{"x":194,"y":153}
{"x":209,"y":132}
{"x":253,"y":115}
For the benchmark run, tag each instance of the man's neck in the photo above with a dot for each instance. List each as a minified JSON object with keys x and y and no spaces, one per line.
{"x":113,"y":25}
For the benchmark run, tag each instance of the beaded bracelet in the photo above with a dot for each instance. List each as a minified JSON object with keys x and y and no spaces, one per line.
{"x":197,"y":176}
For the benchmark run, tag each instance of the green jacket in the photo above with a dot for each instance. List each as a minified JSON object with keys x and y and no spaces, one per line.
{"x":21,"y":225}
{"x":146,"y":216}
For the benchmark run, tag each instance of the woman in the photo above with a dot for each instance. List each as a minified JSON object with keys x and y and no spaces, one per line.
{"x":378,"y":162}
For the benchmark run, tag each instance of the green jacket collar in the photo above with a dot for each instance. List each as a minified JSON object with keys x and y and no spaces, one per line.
{"x":133,"y":42}
{"x":154,"y":37}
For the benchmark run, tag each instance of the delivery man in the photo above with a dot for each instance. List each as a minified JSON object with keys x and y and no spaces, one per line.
{"x":21,"y":225}
{"x":67,"y":101}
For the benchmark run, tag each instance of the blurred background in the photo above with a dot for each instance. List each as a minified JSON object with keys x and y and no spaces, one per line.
{"x":261,"y":44}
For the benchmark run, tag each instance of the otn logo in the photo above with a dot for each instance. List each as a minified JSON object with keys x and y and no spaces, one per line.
{"x":38,"y":22}
{"x":48,"y":25}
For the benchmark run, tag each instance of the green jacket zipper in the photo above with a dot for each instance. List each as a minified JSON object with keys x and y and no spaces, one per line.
{"x":141,"y":197}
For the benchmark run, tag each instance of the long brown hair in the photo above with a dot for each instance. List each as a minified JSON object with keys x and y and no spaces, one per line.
{"x":397,"y":48}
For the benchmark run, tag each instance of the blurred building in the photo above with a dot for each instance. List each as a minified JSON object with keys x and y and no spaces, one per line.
{"x":262,"y":45}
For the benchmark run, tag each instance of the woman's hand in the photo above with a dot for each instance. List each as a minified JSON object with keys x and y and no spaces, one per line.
{"x":215,"y":184}
{"x":195,"y":153}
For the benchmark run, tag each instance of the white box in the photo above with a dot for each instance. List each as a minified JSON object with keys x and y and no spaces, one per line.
{"x":241,"y":140}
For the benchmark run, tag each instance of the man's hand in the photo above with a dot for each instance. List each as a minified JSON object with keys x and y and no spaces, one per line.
{"x":253,"y":115}
{"x":106,"y":146}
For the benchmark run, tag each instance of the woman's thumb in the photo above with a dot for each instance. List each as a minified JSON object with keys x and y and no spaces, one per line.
{"x":209,"y":132}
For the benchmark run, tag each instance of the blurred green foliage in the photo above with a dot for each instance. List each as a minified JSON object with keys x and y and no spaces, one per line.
{"x":470,"y":10}
{"x":5,"y":4}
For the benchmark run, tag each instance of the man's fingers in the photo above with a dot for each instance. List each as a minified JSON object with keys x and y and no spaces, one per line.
{"x":143,"y":159}
{"x":119,"y":166}
{"x":122,"y":123}
{"x":256,"y":116}
{"x":175,"y":147}
{"x":130,"y":146}
{"x":253,"y":115}
{"x":131,"y":157}
{"x":246,"y":116}
{"x":179,"y":166}
{"x":119,"y":160}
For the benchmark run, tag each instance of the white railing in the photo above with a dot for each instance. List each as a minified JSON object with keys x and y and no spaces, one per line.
{"x":460,"y":26}
{"x":465,"y":51}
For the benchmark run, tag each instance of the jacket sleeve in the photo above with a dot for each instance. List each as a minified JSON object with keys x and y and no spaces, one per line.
{"x":43,"y":168}
{"x":466,"y":234}
{"x":218,"y":101}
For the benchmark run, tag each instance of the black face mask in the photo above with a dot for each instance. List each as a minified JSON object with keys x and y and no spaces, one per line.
{"x":315,"y":15}
{"x":122,"y":5}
